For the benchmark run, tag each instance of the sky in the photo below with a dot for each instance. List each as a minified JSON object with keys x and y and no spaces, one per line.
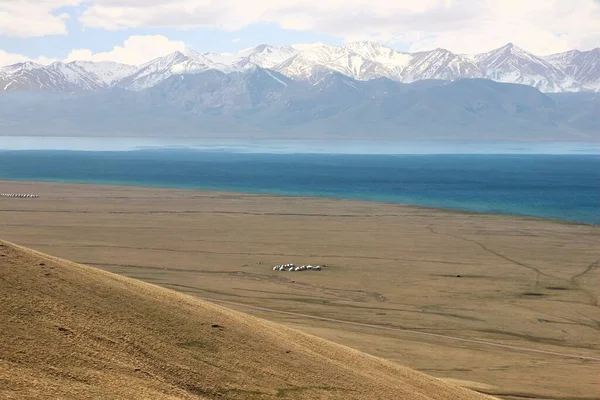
{"x":136,"y":31}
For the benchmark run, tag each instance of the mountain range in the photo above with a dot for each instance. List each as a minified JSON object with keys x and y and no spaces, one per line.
{"x":262,"y":103}
{"x":572,"y":71}
{"x":361,"y":90}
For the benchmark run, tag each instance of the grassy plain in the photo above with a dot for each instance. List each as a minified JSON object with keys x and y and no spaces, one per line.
{"x":437,"y":291}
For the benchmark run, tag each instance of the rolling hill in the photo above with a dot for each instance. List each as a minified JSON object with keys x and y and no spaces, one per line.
{"x":73,"y":332}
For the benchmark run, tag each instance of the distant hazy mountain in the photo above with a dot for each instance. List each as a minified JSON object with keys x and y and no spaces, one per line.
{"x":257,"y":102}
{"x":572,"y":71}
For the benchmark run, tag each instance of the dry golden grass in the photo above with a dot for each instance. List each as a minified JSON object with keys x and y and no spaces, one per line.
{"x":528,"y":283}
{"x":74,"y":332}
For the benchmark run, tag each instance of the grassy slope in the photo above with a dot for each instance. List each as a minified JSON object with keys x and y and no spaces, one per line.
{"x":71,"y":331}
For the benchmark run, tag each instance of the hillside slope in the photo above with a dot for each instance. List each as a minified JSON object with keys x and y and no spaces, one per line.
{"x":70,"y":331}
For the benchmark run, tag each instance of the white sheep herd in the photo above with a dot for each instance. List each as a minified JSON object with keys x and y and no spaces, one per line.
{"x":20,"y":195}
{"x":292,"y":268}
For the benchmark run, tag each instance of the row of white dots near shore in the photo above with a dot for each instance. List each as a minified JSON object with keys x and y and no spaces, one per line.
{"x":20,"y":195}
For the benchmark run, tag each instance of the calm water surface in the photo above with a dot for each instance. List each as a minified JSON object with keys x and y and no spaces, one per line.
{"x":565,"y":187}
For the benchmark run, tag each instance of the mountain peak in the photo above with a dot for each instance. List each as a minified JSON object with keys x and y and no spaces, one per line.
{"x":187,"y":51}
{"x":22,"y":66}
{"x":507,"y":48}
{"x":175,"y":54}
{"x":514,"y":49}
{"x":262,"y":47}
{"x":370,"y":48}
{"x":249,"y":50}
{"x":169,"y":58}
{"x":177,"y":57}
{"x":28,"y":64}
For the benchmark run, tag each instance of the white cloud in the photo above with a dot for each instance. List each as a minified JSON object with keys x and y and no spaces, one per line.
{"x":136,"y":50}
{"x":27,"y":18}
{"x":541,"y":26}
{"x":235,"y":40}
{"x":468,"y":26}
{"x":11,"y":58}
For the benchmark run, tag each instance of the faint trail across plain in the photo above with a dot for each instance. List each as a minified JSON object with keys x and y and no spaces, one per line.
{"x":409,"y":331}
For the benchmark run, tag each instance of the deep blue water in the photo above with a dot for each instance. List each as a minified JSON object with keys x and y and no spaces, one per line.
{"x":563,"y":187}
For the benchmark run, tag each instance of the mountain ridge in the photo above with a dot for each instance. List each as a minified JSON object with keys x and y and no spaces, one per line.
{"x":572,"y":71}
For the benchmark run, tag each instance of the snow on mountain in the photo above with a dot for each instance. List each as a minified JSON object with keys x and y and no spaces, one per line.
{"x":62,"y":77}
{"x":264,"y":56}
{"x":225,"y":59}
{"x":106,"y":72}
{"x":583,"y":66}
{"x":344,"y":60}
{"x":360,"y":68}
{"x":159,"y":69}
{"x":297,"y":67}
{"x":439,"y":64}
{"x":571,"y":71}
{"x":512,"y":64}
{"x":304,"y":65}
{"x":19,"y":67}
{"x":322,"y":53}
{"x":381,"y":54}
{"x":368,"y":60}
{"x":191,"y":62}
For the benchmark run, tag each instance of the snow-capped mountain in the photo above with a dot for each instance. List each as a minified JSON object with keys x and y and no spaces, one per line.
{"x":368,"y":60}
{"x":63,"y":77}
{"x":439,"y":64}
{"x":302,"y":65}
{"x":512,"y":64}
{"x":583,"y":66}
{"x":264,"y":56}
{"x":381,"y":54}
{"x":407,"y":67}
{"x":159,"y":69}
{"x":319,"y":57}
{"x":104,"y":72}
{"x":191,"y":62}
{"x":567,"y":72}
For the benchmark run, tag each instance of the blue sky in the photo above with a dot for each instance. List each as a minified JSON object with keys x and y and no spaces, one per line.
{"x":201,"y":39}
{"x":49,"y":30}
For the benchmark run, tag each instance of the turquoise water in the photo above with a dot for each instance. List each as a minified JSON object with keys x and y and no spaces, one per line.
{"x":565,"y":187}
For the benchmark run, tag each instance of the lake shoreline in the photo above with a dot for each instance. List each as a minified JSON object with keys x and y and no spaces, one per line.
{"x":208,"y":191}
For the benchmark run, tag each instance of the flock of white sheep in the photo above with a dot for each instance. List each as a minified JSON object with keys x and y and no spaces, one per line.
{"x":292,"y":267}
{"x":23,"y":196}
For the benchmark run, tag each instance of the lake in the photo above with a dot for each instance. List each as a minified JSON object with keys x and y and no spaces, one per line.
{"x":559,"y":186}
